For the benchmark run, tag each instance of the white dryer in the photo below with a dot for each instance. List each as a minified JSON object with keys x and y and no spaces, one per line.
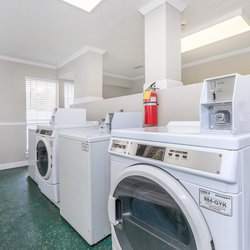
{"x":179,"y":191}
{"x":47,"y":157}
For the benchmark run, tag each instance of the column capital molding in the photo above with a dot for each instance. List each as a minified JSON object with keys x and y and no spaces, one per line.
{"x":180,"y":5}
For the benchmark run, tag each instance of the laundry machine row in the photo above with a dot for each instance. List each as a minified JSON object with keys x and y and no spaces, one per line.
{"x":47,"y":161}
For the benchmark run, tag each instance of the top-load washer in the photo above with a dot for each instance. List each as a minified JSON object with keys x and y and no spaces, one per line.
{"x":85,"y":182}
{"x":85,"y":176}
{"x":47,"y":157}
{"x":179,"y":191}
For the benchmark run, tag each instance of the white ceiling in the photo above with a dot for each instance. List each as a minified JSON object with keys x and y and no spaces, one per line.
{"x":50,"y":31}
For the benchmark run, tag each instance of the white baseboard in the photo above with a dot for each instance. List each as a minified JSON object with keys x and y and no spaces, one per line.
{"x":13,"y":165}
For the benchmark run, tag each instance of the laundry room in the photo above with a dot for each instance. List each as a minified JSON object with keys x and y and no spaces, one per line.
{"x":124,"y":124}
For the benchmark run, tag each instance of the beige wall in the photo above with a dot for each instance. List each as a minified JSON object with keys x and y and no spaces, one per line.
{"x":114,"y":87}
{"x":112,"y":91}
{"x":137,"y":86}
{"x":61,"y":93}
{"x":13,"y":143}
{"x":234,"y":64}
{"x":13,"y":108}
{"x":116,"y":82}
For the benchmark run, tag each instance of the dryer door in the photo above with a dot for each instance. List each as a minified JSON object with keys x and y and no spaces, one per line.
{"x":149,"y":209}
{"x":43,"y":158}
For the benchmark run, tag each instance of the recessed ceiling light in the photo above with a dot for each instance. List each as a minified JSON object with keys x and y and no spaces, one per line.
{"x":87,"y":5}
{"x":231,"y":27}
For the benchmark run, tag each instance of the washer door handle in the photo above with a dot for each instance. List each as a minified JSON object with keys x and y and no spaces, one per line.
{"x":115,"y":210}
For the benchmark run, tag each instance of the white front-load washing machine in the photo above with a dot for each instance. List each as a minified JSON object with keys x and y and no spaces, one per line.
{"x":179,"y":191}
{"x":47,"y":157}
{"x":47,"y":171}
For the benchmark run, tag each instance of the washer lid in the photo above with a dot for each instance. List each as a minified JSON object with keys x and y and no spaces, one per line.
{"x":87,"y":135}
{"x":161,"y":134}
{"x":149,"y":209}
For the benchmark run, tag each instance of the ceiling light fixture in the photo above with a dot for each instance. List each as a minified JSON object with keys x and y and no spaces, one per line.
{"x":87,"y":5}
{"x":225,"y":29}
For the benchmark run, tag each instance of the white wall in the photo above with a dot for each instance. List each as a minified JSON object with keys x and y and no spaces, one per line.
{"x":180,"y":103}
{"x":13,"y":108}
{"x":86,"y":72}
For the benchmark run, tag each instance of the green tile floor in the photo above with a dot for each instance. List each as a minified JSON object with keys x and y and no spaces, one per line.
{"x":29,"y":221}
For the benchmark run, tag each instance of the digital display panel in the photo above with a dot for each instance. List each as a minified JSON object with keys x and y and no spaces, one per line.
{"x":119,"y":146}
{"x":48,"y":132}
{"x":152,"y":152}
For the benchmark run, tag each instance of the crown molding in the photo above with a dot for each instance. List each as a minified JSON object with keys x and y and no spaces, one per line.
{"x":217,"y":57}
{"x":117,"y":76}
{"x":80,"y":53}
{"x":177,"y":4}
{"x":48,"y":66}
{"x":32,"y":63}
{"x":124,"y":77}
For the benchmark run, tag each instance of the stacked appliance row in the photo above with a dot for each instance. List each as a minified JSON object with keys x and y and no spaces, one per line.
{"x":163,"y":187}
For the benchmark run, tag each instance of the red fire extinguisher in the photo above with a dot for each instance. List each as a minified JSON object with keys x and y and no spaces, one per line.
{"x":150,"y":101}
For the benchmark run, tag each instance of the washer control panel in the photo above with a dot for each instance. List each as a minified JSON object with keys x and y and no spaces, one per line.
{"x":194,"y":159}
{"x":185,"y":156}
{"x":119,"y":146}
{"x":44,"y":132}
{"x":177,"y":154}
{"x":150,"y":151}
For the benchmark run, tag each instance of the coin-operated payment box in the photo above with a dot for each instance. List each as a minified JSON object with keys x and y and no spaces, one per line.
{"x":225,"y":104}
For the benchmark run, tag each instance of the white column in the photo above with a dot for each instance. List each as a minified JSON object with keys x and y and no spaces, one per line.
{"x":88,"y":75}
{"x":86,"y":70}
{"x":163,"y":40}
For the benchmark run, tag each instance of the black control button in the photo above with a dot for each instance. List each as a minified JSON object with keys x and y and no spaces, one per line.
{"x":170,"y":154}
{"x":184,"y":156}
{"x":177,"y":155}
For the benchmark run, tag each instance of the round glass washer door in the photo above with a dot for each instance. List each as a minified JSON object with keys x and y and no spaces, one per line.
{"x":149,"y":209}
{"x":43,"y":159}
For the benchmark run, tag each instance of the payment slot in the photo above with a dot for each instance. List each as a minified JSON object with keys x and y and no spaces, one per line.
{"x":225,"y":104}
